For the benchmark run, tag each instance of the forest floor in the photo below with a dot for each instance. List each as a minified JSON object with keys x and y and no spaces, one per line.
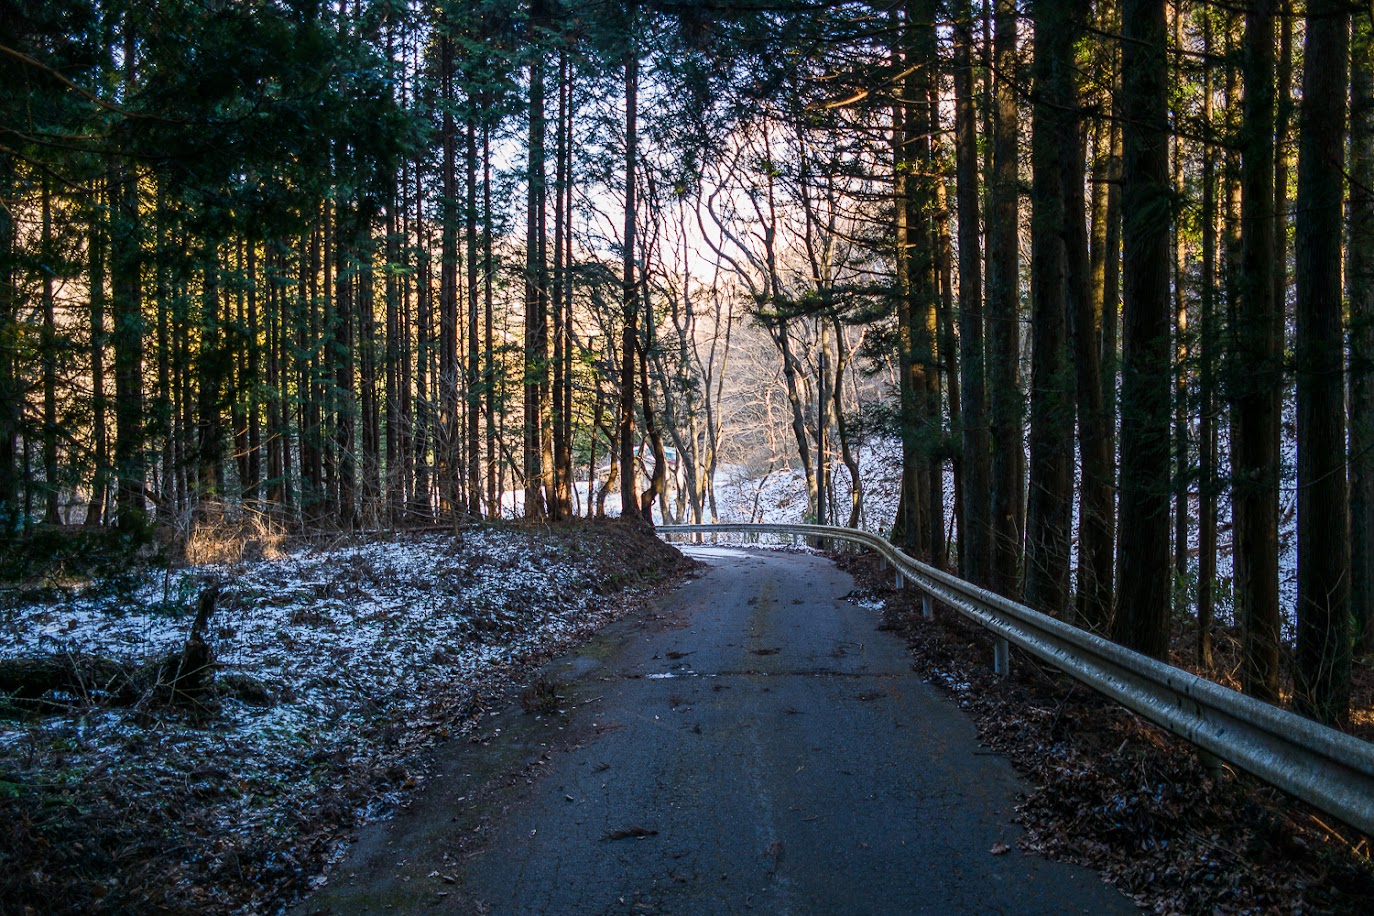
{"x":1115,"y":793}
{"x":335,"y":666}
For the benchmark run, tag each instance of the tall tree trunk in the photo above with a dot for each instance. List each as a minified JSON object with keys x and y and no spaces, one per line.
{"x":629,"y":291}
{"x":918,"y":297}
{"x":1322,"y":679}
{"x":658,"y":477}
{"x":307,"y":374}
{"x":237,"y":362}
{"x":448,"y":429}
{"x":474,"y":375}
{"x":1142,"y":619}
{"x":793,"y":373}
{"x":405,"y":368}
{"x":368,"y":407}
{"x":1229,"y":204}
{"x":1256,"y":376}
{"x":1360,"y":283}
{"x":1283,"y":125}
{"x":1004,"y":346}
{"x":95,"y":512}
{"x":488,"y":328}
{"x":1182,"y":476}
{"x":847,"y":451}
{"x":1208,"y":341}
{"x":1111,"y":290}
{"x":274,"y":389}
{"x":565,"y":407}
{"x":424,"y":351}
{"x":10,"y":392}
{"x":1105,"y":270}
{"x":536,"y":290}
{"x":906,"y":526}
{"x":165,"y":344}
{"x":345,"y":377}
{"x":250,"y":390}
{"x":330,"y":347}
{"x":48,"y":343}
{"x":560,"y":495}
{"x":946,"y":377}
{"x":975,"y":534}
{"x":823,"y":419}
{"x":1054,"y":138}
{"x":396,"y":288}
{"x":1083,"y":304}
{"x":127,"y":342}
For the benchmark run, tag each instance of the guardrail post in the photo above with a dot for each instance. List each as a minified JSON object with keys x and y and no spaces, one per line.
{"x":926,"y":611}
{"x":1213,"y":764}
{"x":901,"y":580}
{"x":1001,"y":656}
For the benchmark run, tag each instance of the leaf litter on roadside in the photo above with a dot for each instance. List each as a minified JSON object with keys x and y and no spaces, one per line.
{"x":1112,"y":792}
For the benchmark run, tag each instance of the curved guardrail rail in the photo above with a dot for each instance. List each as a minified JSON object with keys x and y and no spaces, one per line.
{"x":1328,"y":769}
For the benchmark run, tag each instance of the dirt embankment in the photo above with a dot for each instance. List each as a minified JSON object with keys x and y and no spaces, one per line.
{"x":333,"y":668}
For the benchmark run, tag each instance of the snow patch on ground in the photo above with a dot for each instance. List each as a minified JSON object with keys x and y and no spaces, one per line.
{"x":362,"y":651}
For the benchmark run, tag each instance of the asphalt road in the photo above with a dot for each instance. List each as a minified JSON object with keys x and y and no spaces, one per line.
{"x":754,"y":745}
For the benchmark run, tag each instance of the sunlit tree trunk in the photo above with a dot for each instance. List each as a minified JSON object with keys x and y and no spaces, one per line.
{"x":448,"y":431}
{"x":95,"y":511}
{"x":474,"y":337}
{"x":48,"y":347}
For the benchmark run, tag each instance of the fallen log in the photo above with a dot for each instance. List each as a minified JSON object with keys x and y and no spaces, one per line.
{"x":184,"y":677}
{"x":81,"y":676}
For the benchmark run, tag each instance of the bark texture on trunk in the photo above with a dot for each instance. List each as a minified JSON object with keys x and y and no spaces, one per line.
{"x":1322,"y":681}
{"x":1142,"y":619}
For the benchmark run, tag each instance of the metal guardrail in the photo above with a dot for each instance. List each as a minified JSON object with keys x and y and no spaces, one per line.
{"x":1326,"y":768}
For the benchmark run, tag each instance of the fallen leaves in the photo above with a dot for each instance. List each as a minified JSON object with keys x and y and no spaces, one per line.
{"x":1111,"y":792}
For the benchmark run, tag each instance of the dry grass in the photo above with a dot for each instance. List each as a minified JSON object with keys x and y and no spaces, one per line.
{"x":221,"y":533}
